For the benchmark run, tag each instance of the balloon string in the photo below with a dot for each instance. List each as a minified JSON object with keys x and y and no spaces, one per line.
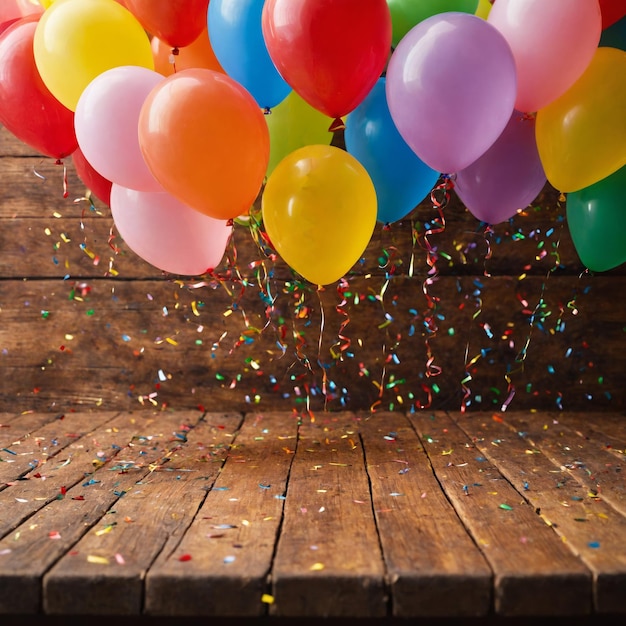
{"x":487,"y":233}
{"x":523,"y":353}
{"x":65,"y":191}
{"x":174,"y":53}
{"x":439,"y":196}
{"x":342,"y":342}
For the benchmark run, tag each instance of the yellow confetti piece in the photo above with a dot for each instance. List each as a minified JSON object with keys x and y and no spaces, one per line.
{"x":99,"y":560}
{"x":266,"y":598}
{"x":104,"y":531}
{"x":171,"y":341}
{"x":316,"y":567}
{"x":446,"y":452}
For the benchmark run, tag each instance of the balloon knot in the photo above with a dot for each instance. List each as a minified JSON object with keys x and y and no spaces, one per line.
{"x":175,"y":51}
{"x":267,"y":111}
{"x":337,"y":124}
{"x":58,"y":162}
{"x":230,"y":222}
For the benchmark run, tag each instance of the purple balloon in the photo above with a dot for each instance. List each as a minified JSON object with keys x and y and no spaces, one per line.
{"x":506,"y":178}
{"x":451,"y":87}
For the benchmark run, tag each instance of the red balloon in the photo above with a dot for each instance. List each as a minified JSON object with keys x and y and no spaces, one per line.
{"x":612,"y":11}
{"x":331,"y":53}
{"x":27,"y":109}
{"x":93,"y":180}
{"x":178,"y":23}
{"x":13,"y":10}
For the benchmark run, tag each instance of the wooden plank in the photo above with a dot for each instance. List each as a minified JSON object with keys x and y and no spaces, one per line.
{"x":589,"y":526}
{"x":328,"y":559}
{"x":434,"y":569}
{"x":18,"y":427}
{"x":131,"y":443}
{"x":105,"y":573}
{"x":231,"y":542}
{"x":119,"y":336}
{"x":46,"y":443}
{"x":593,"y":466}
{"x":608,"y":430}
{"x":545,"y":580}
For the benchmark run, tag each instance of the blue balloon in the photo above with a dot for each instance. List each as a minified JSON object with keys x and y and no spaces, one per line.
{"x":401,"y":179}
{"x":236,"y":36}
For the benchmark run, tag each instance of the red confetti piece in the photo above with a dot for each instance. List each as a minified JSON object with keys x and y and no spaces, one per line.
{"x":184,"y":557}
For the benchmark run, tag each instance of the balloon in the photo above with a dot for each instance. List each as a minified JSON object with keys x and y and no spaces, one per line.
{"x":97,"y":184}
{"x":451,"y":85}
{"x":336,"y":76}
{"x":106,"y":119}
{"x":615,"y":35}
{"x":13,"y":10}
{"x":205,"y":140}
{"x":319,"y":211}
{"x":407,"y":13}
{"x":27,"y":108}
{"x":176,"y":22}
{"x":581,"y":136}
{"x":237,"y":38}
{"x":197,"y":54}
{"x":597,"y":222}
{"x":401,"y":179}
{"x":552,"y":45}
{"x":612,"y":11}
{"x":167,"y":234}
{"x":508,"y":177}
{"x":76,"y":40}
{"x":483,"y":8}
{"x":294,"y":124}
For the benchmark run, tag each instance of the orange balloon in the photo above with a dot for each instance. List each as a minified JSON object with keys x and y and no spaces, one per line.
{"x":205,"y":139}
{"x":197,"y":54}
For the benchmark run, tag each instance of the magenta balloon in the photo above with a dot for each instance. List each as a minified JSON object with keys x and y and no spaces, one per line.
{"x":451,"y":86}
{"x":508,"y":177}
{"x":106,"y":122}
{"x":552,"y":42}
{"x":167,"y":233}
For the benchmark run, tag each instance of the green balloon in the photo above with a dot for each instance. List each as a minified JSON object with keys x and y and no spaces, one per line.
{"x":294,"y":124}
{"x":407,"y":13}
{"x":596,"y":217}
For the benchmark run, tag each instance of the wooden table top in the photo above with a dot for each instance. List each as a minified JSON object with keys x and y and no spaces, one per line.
{"x":373,"y":516}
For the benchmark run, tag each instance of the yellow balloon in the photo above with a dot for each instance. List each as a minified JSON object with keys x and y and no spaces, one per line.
{"x":293,"y":124}
{"x":483,"y":8}
{"x":77,"y":40}
{"x":319,"y":211}
{"x":581,"y":136}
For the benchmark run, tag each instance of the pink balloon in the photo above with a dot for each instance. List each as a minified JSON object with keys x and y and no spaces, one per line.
{"x":451,"y":86}
{"x":167,"y":233}
{"x":508,"y":177}
{"x":552,"y":42}
{"x":106,"y":122}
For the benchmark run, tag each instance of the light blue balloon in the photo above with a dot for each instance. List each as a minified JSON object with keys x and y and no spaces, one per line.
{"x":401,"y":179}
{"x":236,"y":36}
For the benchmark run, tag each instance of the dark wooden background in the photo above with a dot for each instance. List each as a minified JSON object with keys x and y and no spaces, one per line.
{"x":509,"y":318}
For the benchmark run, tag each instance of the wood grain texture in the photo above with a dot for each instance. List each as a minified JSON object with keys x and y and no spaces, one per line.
{"x":231,"y":543}
{"x":105,"y":573}
{"x":429,"y":516}
{"x":328,"y":559}
{"x":103,"y":467}
{"x":434,"y":568}
{"x":502,"y":523}
{"x":590,"y":526}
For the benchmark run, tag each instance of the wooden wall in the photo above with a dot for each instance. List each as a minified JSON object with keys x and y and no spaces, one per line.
{"x":507,"y":316}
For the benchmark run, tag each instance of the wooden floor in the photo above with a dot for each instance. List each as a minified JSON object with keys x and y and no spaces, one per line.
{"x":379,"y":516}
